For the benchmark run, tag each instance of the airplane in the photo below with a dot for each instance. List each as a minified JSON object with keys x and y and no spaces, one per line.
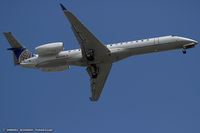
{"x":93,"y":54}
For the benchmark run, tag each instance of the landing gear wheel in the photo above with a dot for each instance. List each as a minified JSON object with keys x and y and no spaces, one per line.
{"x":94,"y":75}
{"x":94,"y":71}
{"x":90,"y":55}
{"x":184,"y":51}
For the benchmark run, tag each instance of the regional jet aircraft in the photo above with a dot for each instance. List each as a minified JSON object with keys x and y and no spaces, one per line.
{"x":93,"y":54}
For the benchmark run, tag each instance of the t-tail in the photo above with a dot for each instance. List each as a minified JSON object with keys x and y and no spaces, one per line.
{"x":20,"y":53}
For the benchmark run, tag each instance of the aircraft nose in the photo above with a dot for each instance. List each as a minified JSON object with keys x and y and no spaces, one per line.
{"x":190,"y":41}
{"x":195,"y":42}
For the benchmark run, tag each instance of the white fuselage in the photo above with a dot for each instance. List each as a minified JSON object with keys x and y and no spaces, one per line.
{"x":118,"y":52}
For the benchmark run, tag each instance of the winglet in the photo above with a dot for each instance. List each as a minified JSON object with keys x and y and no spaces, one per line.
{"x":91,"y":99}
{"x":63,"y":8}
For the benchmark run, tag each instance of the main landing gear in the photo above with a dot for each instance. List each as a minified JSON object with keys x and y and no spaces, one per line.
{"x":93,"y":71}
{"x":90,"y":55}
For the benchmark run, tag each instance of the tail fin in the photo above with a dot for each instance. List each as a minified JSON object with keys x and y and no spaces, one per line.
{"x":20,"y":53}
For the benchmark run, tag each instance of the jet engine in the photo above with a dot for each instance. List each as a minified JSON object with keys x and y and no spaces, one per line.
{"x":50,"y":48}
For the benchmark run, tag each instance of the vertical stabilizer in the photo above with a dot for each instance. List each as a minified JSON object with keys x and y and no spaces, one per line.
{"x":20,"y":53}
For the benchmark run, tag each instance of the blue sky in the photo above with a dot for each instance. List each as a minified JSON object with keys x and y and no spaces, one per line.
{"x":148,"y":93}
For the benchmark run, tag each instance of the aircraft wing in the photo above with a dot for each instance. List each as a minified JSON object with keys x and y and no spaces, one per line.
{"x":86,"y":39}
{"x":97,"y":84}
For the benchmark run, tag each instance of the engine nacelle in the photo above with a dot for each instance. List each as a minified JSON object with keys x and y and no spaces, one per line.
{"x":55,"y":69}
{"x":50,"y":48}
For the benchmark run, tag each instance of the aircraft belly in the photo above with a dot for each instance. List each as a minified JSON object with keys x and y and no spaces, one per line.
{"x":61,"y":62}
{"x":52,"y":63}
{"x":121,"y":54}
{"x":154,"y":48}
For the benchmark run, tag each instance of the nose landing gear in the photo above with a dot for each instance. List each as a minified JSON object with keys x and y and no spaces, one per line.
{"x":184,"y":51}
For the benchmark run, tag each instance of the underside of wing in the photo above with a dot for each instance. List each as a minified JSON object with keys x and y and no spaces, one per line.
{"x":98,"y":75}
{"x":92,"y":48}
{"x":95,"y":54}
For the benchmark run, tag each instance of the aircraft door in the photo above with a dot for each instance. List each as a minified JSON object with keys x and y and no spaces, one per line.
{"x":156,"y":41}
